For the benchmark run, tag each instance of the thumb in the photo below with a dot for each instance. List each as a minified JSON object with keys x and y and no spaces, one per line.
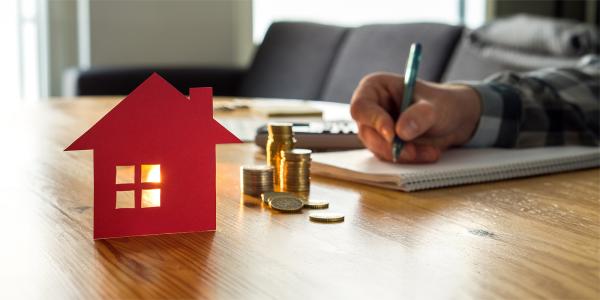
{"x":416,"y":120}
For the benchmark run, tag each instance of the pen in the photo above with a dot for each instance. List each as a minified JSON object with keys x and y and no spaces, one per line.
{"x":410,"y":78}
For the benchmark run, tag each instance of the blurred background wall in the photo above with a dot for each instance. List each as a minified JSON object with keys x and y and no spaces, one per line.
{"x":90,"y":33}
{"x":174,"y":32}
{"x":44,"y":38}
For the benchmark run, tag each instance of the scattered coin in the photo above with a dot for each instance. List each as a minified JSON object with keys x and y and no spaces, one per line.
{"x":266,"y":196}
{"x":316,"y":204}
{"x":286,"y":203}
{"x":326,"y":217}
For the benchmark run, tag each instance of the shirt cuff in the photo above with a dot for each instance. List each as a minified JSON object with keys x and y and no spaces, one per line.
{"x":490,"y":122}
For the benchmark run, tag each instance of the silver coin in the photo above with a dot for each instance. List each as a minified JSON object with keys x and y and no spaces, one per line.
{"x":266,"y":196}
{"x":286,"y":203}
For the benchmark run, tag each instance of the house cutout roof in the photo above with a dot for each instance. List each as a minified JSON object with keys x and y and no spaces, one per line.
{"x":153,"y":112}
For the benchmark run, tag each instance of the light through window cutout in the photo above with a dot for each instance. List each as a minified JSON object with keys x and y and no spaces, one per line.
{"x":125,"y":174}
{"x":125,"y":199}
{"x":150,"y":173}
{"x":151,"y":198}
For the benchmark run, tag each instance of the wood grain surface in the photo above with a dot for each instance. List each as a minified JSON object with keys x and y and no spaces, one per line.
{"x":519,"y":239}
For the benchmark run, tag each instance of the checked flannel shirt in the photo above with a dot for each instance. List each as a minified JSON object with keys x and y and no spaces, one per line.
{"x":559,"y":106}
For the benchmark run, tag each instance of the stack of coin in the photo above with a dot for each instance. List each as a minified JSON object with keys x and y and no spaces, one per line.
{"x":295,"y":170}
{"x":256,"y":179}
{"x":281,"y":138}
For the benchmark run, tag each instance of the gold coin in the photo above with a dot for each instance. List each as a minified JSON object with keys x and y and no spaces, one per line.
{"x":286,"y":203}
{"x":280,"y":128}
{"x":315,"y":204}
{"x":326,"y":217}
{"x":257,"y":168}
{"x":296,"y":155}
{"x":267,"y":196}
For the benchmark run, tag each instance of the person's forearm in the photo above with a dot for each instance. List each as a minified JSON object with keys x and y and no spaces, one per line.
{"x":542,"y":108}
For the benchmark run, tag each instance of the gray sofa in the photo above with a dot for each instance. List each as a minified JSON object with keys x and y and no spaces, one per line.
{"x":313,"y":61}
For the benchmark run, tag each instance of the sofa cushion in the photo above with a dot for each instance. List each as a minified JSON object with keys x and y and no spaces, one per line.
{"x":292,"y":61}
{"x":375,"y":48}
{"x":475,"y":62}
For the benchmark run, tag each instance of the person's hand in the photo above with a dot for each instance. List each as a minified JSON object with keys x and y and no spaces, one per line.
{"x":440,"y":116}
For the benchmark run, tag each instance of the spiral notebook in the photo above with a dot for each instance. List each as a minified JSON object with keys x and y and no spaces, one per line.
{"x":456,"y":167}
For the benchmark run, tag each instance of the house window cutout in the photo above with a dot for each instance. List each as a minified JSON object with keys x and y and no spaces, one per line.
{"x":144,"y":182}
{"x":150,"y":173}
{"x":125,"y":199}
{"x":151,"y":198}
{"x":125,"y":174}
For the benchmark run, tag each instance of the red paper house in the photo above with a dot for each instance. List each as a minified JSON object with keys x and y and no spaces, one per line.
{"x":154,"y":162}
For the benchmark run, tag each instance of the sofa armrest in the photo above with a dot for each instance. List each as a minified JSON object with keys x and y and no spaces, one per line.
{"x":122,"y":80}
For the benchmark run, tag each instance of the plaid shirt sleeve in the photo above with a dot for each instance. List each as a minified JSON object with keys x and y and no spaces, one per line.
{"x":540,"y":108}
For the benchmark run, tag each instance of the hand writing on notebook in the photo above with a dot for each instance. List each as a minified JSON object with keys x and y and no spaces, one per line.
{"x":441,"y":116}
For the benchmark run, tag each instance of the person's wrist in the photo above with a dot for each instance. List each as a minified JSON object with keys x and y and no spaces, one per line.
{"x":469,"y":105}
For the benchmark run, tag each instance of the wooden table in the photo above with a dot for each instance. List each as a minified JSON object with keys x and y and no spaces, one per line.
{"x":527,"y":238}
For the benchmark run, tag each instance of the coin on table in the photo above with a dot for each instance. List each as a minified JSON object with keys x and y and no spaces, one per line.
{"x":286,"y":203}
{"x":326,"y":217}
{"x":316,"y":204}
{"x":267,"y":196}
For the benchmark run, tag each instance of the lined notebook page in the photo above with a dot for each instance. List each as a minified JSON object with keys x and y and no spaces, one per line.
{"x":457,"y":166}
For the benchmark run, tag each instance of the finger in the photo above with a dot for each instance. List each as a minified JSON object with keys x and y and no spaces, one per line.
{"x":383,"y":87}
{"x":414,"y":153}
{"x":416,"y":120}
{"x":375,"y":142}
{"x":374,"y":101}
{"x":411,"y":152}
{"x":440,"y":142}
{"x":427,"y":153}
{"x":369,"y":113}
